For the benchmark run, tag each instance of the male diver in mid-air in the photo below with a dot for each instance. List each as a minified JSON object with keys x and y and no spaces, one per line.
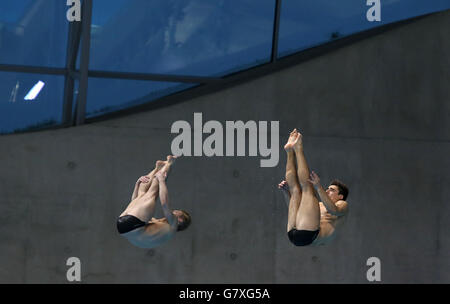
{"x":137,"y":223}
{"x":310,"y":222}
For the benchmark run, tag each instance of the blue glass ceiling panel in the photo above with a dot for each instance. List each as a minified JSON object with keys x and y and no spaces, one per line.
{"x":190,"y":37}
{"x":109,"y":95}
{"x":24,"y":108}
{"x":33,"y":32}
{"x":306,"y":24}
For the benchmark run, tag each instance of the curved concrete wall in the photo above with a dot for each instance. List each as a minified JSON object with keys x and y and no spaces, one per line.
{"x":375,"y":114}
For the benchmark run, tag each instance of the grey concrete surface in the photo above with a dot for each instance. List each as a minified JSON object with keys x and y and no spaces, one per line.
{"x":374,"y":114}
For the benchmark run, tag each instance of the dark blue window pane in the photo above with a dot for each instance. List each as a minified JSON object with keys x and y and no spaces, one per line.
{"x":109,"y":95}
{"x":305,"y":24}
{"x":33,"y":32}
{"x":190,"y":37}
{"x":18,"y":113}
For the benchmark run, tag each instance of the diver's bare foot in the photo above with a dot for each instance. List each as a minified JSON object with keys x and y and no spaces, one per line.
{"x":291,"y":141}
{"x":171,"y":159}
{"x":298,"y":144}
{"x":160,"y":164}
{"x":168,"y":164}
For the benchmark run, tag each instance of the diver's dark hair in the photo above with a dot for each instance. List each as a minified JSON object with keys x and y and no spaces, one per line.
{"x":343,"y":189}
{"x":186,"y":221}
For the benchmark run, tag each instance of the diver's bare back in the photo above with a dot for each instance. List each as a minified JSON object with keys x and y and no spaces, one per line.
{"x":153,"y":234}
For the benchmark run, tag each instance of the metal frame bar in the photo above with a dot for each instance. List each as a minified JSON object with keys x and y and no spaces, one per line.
{"x":32,"y":69}
{"x":71,"y":71}
{"x":154,"y":77}
{"x":73,"y":43}
{"x":86,"y":18}
{"x":276,"y":30}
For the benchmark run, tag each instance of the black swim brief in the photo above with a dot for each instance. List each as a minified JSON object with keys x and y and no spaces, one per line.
{"x":302,"y":237}
{"x":128,"y":223}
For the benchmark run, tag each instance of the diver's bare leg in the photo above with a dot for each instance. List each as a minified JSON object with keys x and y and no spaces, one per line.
{"x":308,"y":214}
{"x":291,"y":179}
{"x":144,"y":206}
{"x":143,"y":187}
